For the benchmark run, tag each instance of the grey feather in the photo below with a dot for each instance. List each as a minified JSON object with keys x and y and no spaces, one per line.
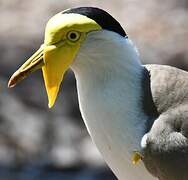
{"x":165,"y":153}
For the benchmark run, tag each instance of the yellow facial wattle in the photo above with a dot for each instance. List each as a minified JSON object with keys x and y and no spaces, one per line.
{"x":57,"y":60}
{"x":64,"y":35}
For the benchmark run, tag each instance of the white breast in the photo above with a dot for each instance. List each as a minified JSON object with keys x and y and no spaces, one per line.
{"x":108,"y":74}
{"x":112,"y":132}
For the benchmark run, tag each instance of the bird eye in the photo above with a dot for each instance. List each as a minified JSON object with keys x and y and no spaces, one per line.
{"x":73,"y":36}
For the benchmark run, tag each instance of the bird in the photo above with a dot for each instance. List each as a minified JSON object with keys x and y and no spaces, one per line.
{"x":137,"y":115}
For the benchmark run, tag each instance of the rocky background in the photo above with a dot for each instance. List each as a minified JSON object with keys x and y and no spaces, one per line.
{"x":38,"y":143}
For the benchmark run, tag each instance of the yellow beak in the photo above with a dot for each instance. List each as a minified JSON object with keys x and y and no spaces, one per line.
{"x":54,"y":61}
{"x":34,"y":63}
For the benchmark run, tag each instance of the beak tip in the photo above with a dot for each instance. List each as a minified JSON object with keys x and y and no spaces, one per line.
{"x":11,"y":83}
{"x":15,"y":78}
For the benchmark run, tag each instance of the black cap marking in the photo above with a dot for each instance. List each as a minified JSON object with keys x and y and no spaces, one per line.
{"x":105,"y":20}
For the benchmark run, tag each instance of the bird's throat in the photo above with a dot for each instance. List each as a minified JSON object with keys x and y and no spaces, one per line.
{"x":110,"y":102}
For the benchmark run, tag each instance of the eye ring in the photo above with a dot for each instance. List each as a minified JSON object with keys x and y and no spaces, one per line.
{"x":73,"y":36}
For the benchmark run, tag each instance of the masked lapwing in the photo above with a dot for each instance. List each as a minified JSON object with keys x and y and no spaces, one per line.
{"x":132,"y":112}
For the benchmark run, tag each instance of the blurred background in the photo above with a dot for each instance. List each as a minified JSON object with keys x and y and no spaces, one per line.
{"x":38,"y":143}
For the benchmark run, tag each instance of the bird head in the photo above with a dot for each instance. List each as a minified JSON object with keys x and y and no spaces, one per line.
{"x":65,"y":32}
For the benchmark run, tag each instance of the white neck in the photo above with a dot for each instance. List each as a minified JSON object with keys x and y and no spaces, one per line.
{"x":109,"y":75}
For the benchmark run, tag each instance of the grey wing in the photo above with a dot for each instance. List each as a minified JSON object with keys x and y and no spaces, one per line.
{"x":165,"y":146}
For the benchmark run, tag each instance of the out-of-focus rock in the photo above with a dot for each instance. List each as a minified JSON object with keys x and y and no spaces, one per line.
{"x":31,"y":137}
